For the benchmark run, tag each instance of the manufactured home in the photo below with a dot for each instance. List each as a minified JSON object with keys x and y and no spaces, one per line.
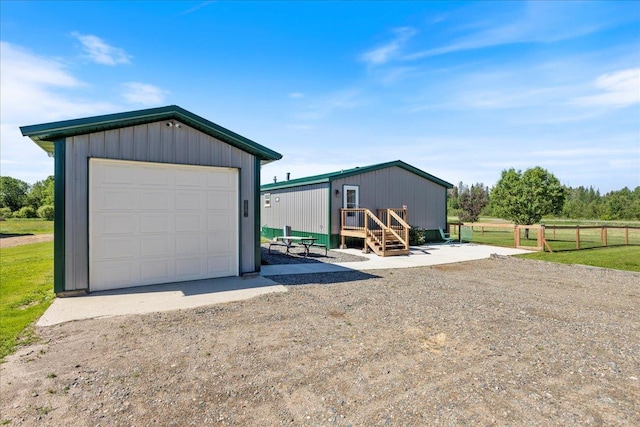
{"x":375,"y":205}
{"x":151,"y":196}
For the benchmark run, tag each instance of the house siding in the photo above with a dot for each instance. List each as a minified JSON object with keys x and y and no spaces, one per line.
{"x":394,"y":187}
{"x":305,"y":209}
{"x":153,"y":142}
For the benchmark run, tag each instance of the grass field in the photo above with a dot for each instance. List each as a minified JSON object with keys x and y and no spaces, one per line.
{"x":25,"y":293}
{"x":619,"y":258}
{"x":26,"y":226}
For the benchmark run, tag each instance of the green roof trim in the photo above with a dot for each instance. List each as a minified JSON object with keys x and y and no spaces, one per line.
{"x":328,"y":177}
{"x":45,"y":134}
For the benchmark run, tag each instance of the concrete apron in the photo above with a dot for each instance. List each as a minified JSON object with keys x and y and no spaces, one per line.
{"x":184,"y":295}
{"x":155,"y":298}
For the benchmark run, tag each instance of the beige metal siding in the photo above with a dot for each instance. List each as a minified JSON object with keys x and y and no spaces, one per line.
{"x":154,"y":142}
{"x":392,"y":188}
{"x":303,"y":208}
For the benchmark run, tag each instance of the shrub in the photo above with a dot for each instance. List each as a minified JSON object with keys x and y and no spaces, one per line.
{"x":26,"y":212}
{"x":46,"y":212}
{"x":5,"y":213}
{"x":416,"y":236}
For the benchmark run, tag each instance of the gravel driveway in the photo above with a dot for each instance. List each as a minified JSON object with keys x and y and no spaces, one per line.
{"x":497,"y":341}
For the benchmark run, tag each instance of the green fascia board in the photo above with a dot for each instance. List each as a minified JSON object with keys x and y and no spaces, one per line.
{"x":351,"y":172}
{"x":45,"y":134}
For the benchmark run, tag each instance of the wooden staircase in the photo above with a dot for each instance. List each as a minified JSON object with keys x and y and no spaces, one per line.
{"x":385,"y":238}
{"x":386,"y":243}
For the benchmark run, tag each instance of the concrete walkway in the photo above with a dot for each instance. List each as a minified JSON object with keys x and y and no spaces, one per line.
{"x":176,"y":296}
{"x":420,"y":256}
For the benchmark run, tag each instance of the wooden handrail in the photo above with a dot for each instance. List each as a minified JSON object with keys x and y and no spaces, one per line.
{"x":405,"y":226}
{"x":375,"y":219}
{"x":394,"y":219}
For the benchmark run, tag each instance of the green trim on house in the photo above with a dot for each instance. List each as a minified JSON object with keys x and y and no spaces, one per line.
{"x":257,"y":258}
{"x":46,"y":134}
{"x":328,"y":177}
{"x":270,"y":233}
{"x":59,"y":257}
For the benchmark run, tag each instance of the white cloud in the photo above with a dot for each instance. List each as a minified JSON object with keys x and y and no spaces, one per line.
{"x":35,"y":89}
{"x":618,"y":89}
{"x":539,"y":22}
{"x":296,"y":95}
{"x":385,"y":53}
{"x":142,"y":93}
{"x":197,"y":7}
{"x":101,"y":52}
{"x":324,"y":106}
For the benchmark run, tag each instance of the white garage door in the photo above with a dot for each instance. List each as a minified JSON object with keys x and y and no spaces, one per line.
{"x":152,"y":223}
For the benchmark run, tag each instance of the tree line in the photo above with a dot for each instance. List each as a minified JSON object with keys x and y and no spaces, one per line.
{"x":521,"y":197}
{"x":18,"y":199}
{"x":525,"y":197}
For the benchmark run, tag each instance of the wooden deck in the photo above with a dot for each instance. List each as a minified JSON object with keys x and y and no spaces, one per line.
{"x":386,"y":234}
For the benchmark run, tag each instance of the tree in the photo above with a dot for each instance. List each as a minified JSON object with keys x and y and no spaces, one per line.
{"x":13,"y":193}
{"x":525,"y":198}
{"x":472,"y":201}
{"x":41,"y":193}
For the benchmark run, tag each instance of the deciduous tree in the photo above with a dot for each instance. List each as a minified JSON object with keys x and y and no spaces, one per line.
{"x":13,"y":193}
{"x":525,"y":198}
{"x":472,"y":201}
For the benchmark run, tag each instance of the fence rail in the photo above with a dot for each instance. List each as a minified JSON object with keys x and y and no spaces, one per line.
{"x":552,"y":237}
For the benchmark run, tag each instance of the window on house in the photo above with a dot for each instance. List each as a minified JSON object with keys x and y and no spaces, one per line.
{"x":267,"y":200}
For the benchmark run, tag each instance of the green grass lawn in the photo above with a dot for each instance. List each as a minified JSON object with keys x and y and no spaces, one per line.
{"x":26,"y":290}
{"x":26,"y":226}
{"x":618,"y":258}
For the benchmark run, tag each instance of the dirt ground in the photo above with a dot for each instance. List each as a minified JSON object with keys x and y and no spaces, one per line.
{"x":8,"y":240}
{"x":492,"y":342}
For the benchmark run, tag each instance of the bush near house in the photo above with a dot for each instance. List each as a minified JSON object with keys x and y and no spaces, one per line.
{"x":46,"y":212}
{"x":26,"y":212}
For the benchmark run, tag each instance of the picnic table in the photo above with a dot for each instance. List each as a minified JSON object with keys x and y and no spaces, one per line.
{"x":291,"y":241}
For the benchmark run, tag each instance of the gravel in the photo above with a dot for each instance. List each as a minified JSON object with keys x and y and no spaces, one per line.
{"x":277,"y":255}
{"x":498,"y":341}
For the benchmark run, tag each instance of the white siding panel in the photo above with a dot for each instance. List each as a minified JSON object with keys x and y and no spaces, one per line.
{"x":160,"y":234}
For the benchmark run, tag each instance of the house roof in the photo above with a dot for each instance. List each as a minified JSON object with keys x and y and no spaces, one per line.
{"x":328,"y":177}
{"x":45,"y":134}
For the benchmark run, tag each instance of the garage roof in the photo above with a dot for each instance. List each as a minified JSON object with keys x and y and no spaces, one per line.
{"x":45,"y":134}
{"x":327,"y":177}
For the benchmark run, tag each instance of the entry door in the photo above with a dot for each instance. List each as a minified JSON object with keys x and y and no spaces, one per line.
{"x":351,"y":200}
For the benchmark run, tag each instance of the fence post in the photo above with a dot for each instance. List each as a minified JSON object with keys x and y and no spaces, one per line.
{"x":626,"y":235}
{"x":516,"y":236}
{"x":578,"y":237}
{"x":541,"y":237}
{"x":604,"y":235}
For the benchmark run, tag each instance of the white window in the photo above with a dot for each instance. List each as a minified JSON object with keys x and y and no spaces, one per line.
{"x":267,"y":200}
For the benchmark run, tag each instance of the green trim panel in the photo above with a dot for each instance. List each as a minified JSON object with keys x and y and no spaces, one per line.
{"x":270,"y":233}
{"x":59,"y":256}
{"x":45,"y":134}
{"x":328,"y":177}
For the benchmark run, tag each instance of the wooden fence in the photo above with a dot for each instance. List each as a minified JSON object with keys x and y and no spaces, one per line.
{"x":549,"y":233}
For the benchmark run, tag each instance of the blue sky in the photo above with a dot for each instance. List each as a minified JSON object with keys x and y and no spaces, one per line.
{"x":461,"y":90}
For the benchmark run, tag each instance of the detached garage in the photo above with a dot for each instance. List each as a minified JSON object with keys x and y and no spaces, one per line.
{"x":151,"y":196}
